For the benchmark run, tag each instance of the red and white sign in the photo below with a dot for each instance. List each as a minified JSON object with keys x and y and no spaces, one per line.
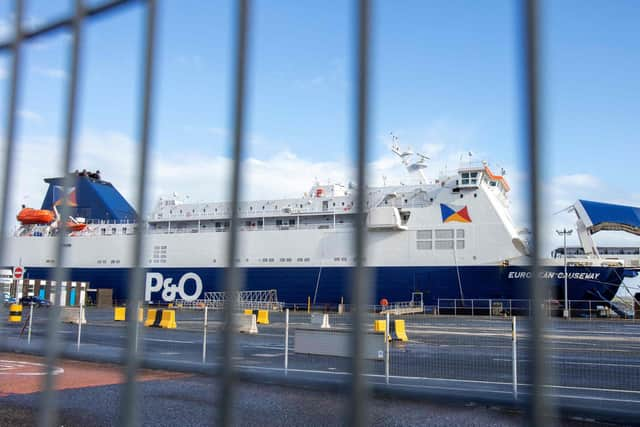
{"x":18,"y":272}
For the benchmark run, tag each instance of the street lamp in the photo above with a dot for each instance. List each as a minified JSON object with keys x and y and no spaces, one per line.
{"x":564,"y":233}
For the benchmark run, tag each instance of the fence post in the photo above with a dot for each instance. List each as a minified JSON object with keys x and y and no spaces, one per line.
{"x":490,"y":308}
{"x":589,"y":309}
{"x":511,"y":307}
{"x":514,"y":357}
{"x":472,"y":313}
{"x":204,"y":333}
{"x":438,"y":306}
{"x":79,"y":325}
{"x":286,"y":341}
{"x":30,"y":323}
{"x":455,"y":307}
{"x":386,"y":350}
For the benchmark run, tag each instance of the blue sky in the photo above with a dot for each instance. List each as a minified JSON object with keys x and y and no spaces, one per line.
{"x":445,"y":80}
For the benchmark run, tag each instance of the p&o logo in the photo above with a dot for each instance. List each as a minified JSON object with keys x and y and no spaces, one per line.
{"x":156,"y":282}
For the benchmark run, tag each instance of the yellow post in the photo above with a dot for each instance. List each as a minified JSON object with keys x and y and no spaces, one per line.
{"x":308,"y":304}
{"x":15,"y":313}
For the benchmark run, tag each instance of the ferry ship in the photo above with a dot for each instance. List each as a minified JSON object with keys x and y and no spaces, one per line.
{"x":452,"y":238}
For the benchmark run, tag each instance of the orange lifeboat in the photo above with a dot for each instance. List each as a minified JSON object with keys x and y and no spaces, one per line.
{"x":36,"y":216}
{"x":76,"y":226}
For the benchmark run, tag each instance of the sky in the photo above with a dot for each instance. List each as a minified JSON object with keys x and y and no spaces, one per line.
{"x":446,"y":79}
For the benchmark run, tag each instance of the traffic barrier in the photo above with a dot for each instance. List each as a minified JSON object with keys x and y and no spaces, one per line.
{"x":120,"y":314}
{"x":379,"y":326}
{"x":15,"y":313}
{"x":398,"y":331}
{"x":168,"y":320}
{"x":72,"y":315}
{"x":262,"y":316}
{"x":325,"y":322}
{"x":151,"y":317}
{"x":245,"y":324}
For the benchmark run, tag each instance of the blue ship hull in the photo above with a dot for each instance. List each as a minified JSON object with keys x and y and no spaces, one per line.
{"x":294,"y":285}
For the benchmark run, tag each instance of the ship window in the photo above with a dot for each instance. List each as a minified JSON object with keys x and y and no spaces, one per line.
{"x":425,"y":234}
{"x":460,"y":234}
{"x":103,"y":231}
{"x":124,"y":230}
{"x":493,"y":183}
{"x":444,"y":234}
{"x":307,"y":259}
{"x":459,"y":244}
{"x":424,"y":244}
{"x":278,"y":222}
{"x":299,"y":259}
{"x":292,"y":222}
{"x":271,"y":259}
{"x":247,"y":223}
{"x":114,"y":230}
{"x":250,"y":208}
{"x":334,"y":203}
{"x":263,"y":208}
{"x":444,"y":244}
{"x":288,"y":259}
{"x":260,"y":223}
{"x":342,"y":203}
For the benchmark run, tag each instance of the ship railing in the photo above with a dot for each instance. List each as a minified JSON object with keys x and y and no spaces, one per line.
{"x":502,"y":307}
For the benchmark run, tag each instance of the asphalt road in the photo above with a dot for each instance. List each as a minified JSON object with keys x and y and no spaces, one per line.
{"x":594,"y":362}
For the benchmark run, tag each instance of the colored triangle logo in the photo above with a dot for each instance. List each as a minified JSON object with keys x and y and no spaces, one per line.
{"x":451,"y":214}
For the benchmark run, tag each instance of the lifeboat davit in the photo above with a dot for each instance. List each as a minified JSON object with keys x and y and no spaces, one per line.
{"x":36,"y":216}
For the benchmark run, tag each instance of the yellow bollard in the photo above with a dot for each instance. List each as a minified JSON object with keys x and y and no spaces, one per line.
{"x":120,"y":314}
{"x":15,"y":313}
{"x":151,"y":317}
{"x":248,"y":311}
{"x":308,"y":304}
{"x":379,"y":326}
{"x":140,"y":314}
{"x":168,"y":319}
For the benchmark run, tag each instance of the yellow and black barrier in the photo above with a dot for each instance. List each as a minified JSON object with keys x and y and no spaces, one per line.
{"x":15,"y":313}
{"x":262,"y":316}
{"x":158,"y":318}
{"x":120,"y":314}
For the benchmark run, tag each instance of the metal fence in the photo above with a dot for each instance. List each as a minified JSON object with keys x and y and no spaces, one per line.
{"x":355,"y":370}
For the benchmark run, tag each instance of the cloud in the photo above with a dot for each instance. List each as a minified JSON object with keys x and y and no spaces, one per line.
{"x":29,"y":115}
{"x":54,"y":73}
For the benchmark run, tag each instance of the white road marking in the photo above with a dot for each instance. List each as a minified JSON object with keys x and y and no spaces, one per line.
{"x":173,"y":341}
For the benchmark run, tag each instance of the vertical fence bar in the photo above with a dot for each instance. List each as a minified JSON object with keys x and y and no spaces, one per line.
{"x":286,"y":341}
{"x":204,"y":335}
{"x":10,"y":127}
{"x":128,"y":405}
{"x":514,"y":357}
{"x":386,"y":349}
{"x":232,"y":274}
{"x":538,"y":404}
{"x":360,"y":284}
{"x":48,"y":413}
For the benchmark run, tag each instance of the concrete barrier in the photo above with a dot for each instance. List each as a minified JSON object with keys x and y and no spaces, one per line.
{"x":336,"y":342}
{"x":72,"y":315}
{"x":15,"y":313}
{"x":245,"y":324}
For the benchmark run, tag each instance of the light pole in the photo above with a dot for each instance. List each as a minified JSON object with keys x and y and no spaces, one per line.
{"x":564,"y":233}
